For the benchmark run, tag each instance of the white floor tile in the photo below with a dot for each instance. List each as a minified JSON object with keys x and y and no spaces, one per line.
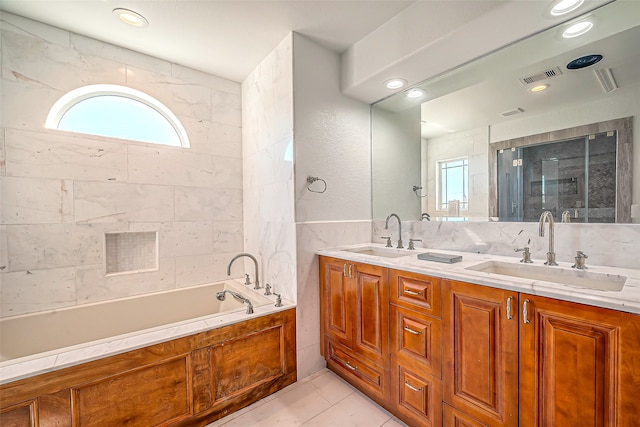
{"x":320,"y":400}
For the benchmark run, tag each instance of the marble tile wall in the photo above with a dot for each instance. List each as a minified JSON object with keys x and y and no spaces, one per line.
{"x":612,"y":245}
{"x":61,"y":191}
{"x":267,"y":142}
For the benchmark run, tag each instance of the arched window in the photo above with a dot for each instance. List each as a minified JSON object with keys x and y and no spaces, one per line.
{"x":117,"y":112}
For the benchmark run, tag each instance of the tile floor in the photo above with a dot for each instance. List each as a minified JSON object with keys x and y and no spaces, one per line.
{"x":320,"y":400}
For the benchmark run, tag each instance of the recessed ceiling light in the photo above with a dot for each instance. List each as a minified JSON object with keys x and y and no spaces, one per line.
{"x":577,"y":29}
{"x":539,"y":88}
{"x":131,"y":18}
{"x":395,"y":83}
{"x":415,"y":93}
{"x":565,"y":6}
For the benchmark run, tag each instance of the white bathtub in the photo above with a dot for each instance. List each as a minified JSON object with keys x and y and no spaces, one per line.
{"x":40,"y":342}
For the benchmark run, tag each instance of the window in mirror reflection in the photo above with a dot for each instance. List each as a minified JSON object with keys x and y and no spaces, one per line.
{"x":454,"y":184}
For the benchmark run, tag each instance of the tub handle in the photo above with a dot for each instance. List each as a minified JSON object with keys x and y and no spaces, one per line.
{"x":278,"y":300}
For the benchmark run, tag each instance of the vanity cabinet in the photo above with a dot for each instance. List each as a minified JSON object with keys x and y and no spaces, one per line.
{"x":355,"y":324}
{"x":516,"y":359}
{"x":448,"y":353}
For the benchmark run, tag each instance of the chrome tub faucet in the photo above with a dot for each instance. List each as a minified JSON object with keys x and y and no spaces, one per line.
{"x":255,"y":262}
{"x":221,"y":297}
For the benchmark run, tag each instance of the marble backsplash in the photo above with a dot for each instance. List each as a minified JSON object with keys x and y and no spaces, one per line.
{"x":612,"y":245}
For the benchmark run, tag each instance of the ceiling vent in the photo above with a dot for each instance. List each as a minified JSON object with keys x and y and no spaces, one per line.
{"x":605,"y":77}
{"x":511,"y":112}
{"x":553,"y":72}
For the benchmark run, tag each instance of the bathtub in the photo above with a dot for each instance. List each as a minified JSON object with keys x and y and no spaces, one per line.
{"x":35,"y":343}
{"x":179,"y":358}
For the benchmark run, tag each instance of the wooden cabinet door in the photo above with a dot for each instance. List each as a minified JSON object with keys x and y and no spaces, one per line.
{"x":371,"y":312}
{"x":335,"y":300}
{"x":480,"y":352}
{"x":577,"y":365}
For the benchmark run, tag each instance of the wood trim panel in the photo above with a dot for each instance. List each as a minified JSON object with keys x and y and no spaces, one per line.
{"x":248,"y":361}
{"x":149,"y":396}
{"x":416,"y":340}
{"x":416,"y":292}
{"x":23,"y":414}
{"x":480,"y":348}
{"x":576,"y":365}
{"x":158,"y":383}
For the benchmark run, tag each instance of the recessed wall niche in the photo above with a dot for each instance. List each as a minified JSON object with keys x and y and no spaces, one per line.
{"x":131,"y":252}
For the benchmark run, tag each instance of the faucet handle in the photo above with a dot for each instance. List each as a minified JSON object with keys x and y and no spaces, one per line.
{"x":526,"y":255}
{"x":247,"y":280}
{"x":580,"y":263}
{"x":267,"y":289}
{"x":389,"y":245}
{"x":411,"y":245}
{"x":581,"y":254}
{"x":278,"y":300}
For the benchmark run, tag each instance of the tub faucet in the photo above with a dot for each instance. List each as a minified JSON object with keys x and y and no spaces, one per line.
{"x":221,"y":297}
{"x":386,"y":227}
{"x":255,"y":261}
{"x":551,"y":255}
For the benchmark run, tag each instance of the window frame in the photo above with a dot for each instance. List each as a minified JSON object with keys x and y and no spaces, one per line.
{"x":443,"y":205}
{"x":74,"y":97}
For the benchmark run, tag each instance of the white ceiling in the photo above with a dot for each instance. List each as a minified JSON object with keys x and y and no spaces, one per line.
{"x":225,"y":38}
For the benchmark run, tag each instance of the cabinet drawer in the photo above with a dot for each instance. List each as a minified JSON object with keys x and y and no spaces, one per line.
{"x":416,"y":340}
{"x":416,"y":292}
{"x":361,"y":372}
{"x":417,"y":397}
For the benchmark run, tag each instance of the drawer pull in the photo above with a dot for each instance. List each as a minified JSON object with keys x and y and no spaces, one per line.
{"x":344,"y":270}
{"x":350,"y":366}
{"x":411,"y":331}
{"x":412,"y":387}
{"x":351,"y":271}
{"x":410,"y":292}
{"x":509,"y":315}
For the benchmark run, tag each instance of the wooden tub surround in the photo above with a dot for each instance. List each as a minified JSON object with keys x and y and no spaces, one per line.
{"x":190,"y":381}
{"x":439,"y":352}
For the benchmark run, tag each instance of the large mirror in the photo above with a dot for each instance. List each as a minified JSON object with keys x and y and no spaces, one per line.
{"x":439,"y":154}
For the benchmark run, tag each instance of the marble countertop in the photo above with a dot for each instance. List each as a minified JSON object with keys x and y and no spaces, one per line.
{"x":628,"y":299}
{"x":24,"y":367}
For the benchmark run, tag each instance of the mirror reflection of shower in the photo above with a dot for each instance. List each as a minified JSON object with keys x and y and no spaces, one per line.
{"x":575,"y":179}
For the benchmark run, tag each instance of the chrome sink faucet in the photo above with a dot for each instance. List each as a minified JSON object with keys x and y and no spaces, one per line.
{"x":386,"y":227}
{"x":551,"y":255}
{"x":255,"y":261}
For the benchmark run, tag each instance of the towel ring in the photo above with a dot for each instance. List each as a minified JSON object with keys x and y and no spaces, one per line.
{"x":311,"y":180}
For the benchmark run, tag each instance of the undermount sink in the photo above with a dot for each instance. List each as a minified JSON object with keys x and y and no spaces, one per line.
{"x":564,"y":276}
{"x":378,"y":251}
